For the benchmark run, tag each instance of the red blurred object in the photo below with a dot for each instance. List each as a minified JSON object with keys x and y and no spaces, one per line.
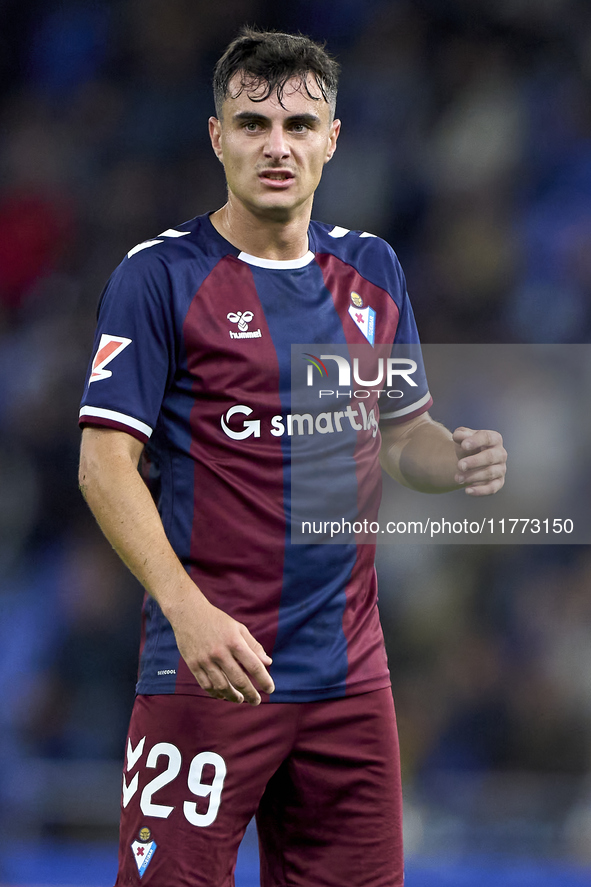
{"x":35,"y":229}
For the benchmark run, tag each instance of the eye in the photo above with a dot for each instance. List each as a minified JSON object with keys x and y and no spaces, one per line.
{"x":299,"y":127}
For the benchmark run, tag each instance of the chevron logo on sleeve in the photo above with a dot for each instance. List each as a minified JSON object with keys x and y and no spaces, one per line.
{"x":108,"y":349}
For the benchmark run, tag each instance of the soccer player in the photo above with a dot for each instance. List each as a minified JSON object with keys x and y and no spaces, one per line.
{"x":191,"y":374}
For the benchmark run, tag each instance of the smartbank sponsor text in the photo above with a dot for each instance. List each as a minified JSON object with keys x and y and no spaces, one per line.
{"x":336,"y":421}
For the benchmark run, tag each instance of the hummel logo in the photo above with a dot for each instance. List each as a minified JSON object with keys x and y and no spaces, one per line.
{"x":243,"y":318}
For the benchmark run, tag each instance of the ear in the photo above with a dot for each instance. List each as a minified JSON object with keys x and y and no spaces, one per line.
{"x":215,"y":134}
{"x":335,"y":129}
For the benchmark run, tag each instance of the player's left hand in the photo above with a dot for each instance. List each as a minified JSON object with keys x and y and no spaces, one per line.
{"x":482,"y":461}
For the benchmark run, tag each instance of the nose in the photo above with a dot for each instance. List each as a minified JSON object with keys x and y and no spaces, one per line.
{"x":276,"y":146}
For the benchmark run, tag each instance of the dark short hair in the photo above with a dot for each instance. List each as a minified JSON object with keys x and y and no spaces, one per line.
{"x":270,"y":59}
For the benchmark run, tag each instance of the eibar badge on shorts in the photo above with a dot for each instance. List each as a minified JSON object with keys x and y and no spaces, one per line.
{"x":143,"y":850}
{"x":364,"y":318}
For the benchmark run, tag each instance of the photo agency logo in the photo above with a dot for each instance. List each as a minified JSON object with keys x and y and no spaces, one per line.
{"x":385,"y":373}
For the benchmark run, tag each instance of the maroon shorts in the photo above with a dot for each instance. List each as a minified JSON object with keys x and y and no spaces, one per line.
{"x":323,"y":779}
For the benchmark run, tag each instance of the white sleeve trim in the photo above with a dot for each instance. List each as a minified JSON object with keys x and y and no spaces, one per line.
{"x":100,"y":413}
{"x":404,"y":411}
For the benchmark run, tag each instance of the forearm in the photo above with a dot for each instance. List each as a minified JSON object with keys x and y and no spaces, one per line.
{"x":127,"y":515}
{"x":422,"y":456}
{"x":219,"y":651}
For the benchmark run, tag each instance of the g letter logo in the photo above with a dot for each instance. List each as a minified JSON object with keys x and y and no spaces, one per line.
{"x":249,"y":426}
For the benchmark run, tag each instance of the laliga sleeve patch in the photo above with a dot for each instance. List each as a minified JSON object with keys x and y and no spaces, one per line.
{"x":143,"y":850}
{"x":108,"y":349}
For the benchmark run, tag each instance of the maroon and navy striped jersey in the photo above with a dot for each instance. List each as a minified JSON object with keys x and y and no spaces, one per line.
{"x":195,"y":354}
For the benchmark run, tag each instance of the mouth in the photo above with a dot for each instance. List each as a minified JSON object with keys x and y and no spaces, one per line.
{"x":276,"y":177}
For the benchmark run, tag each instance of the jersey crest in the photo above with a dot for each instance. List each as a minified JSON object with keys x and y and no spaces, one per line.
{"x":363,"y":318}
{"x":108,"y":349}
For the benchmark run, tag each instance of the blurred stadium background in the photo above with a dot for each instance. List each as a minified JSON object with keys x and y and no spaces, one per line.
{"x":466,"y":144}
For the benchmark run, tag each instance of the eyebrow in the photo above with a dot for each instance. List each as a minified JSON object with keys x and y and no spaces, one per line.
{"x":310,"y":119}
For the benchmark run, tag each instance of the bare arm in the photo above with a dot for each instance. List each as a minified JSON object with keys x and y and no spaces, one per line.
{"x":220,"y":652}
{"x":424,"y":455}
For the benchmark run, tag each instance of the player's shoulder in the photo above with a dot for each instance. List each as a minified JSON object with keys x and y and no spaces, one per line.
{"x":349,"y":244}
{"x":368,"y":254}
{"x":176,"y":261}
{"x":190,"y":241}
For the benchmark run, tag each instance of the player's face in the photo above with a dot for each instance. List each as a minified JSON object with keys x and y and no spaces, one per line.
{"x":273,"y":153}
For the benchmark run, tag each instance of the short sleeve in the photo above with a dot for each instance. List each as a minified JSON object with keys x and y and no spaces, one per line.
{"x":407,"y":393}
{"x":134,"y":353}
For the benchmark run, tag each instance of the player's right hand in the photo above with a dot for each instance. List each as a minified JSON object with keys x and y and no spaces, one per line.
{"x":222,"y":654}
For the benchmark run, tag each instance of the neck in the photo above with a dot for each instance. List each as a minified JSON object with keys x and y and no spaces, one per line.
{"x":263,"y":236}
